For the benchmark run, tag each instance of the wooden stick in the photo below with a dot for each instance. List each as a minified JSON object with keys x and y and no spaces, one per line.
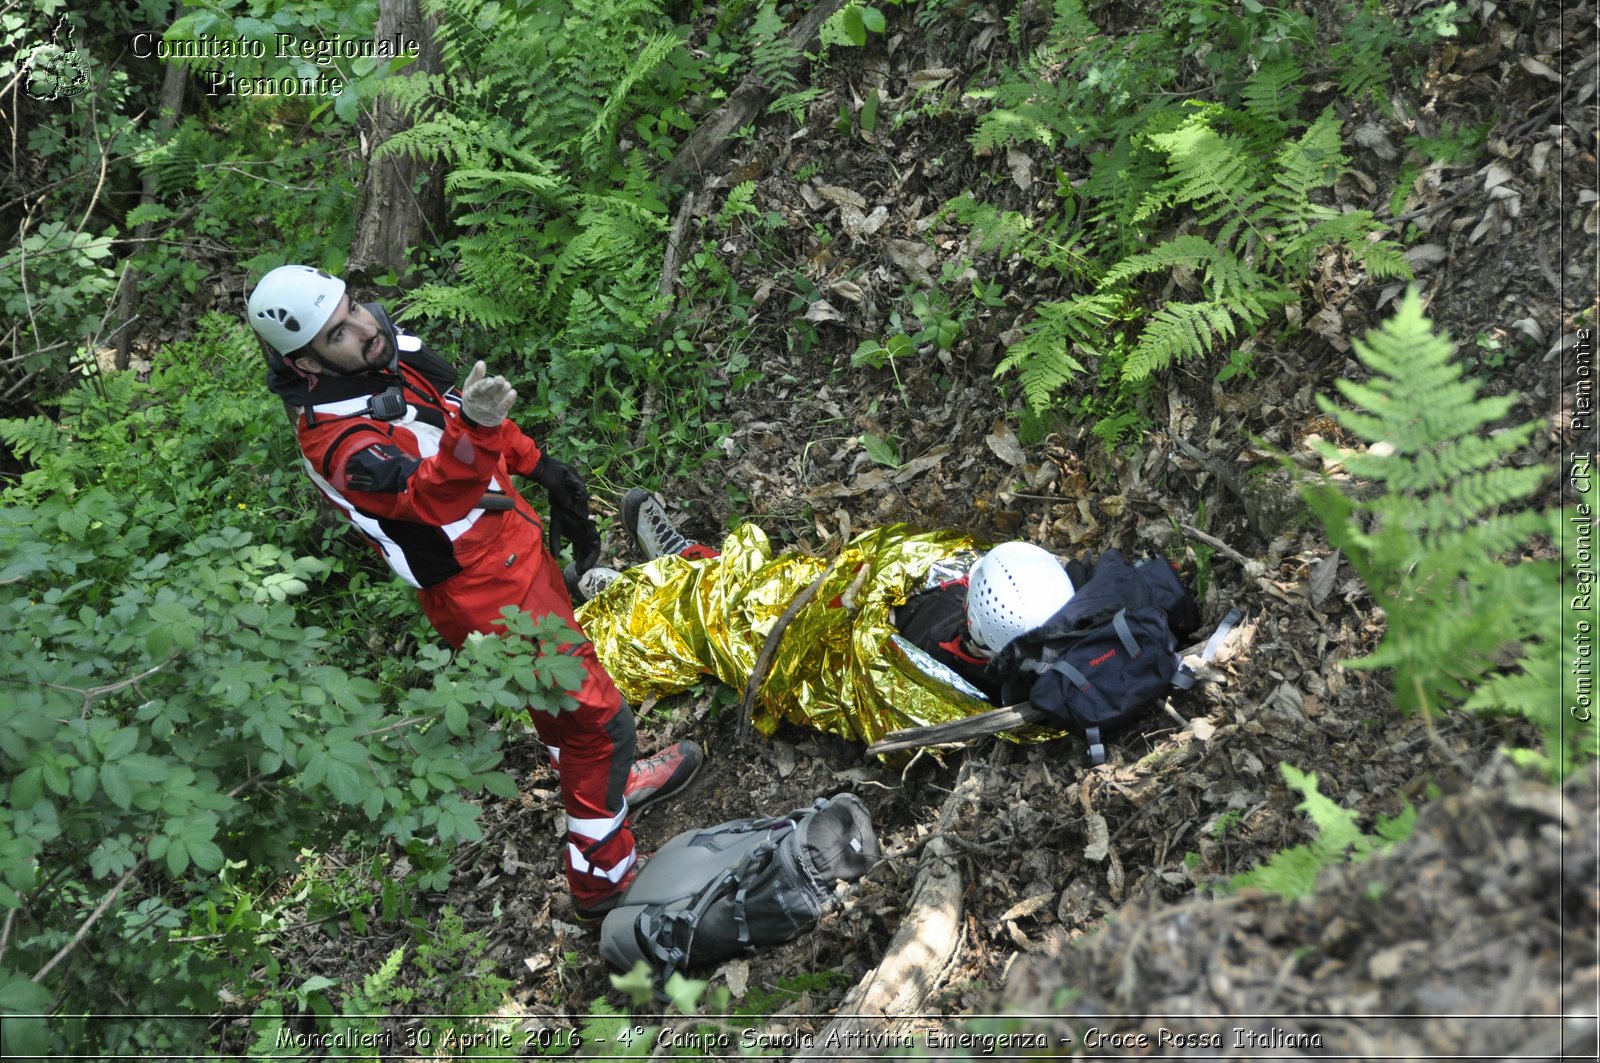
{"x":1221,"y":547}
{"x":967,"y":728}
{"x":669,"y":275}
{"x":924,"y":945}
{"x":710,"y":139}
{"x":769,"y":648}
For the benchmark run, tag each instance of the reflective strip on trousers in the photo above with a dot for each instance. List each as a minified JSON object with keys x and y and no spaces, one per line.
{"x":583,"y":867}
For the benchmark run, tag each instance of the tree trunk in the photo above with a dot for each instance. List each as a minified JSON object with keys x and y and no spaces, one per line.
{"x":397,"y":211}
{"x":169,"y":108}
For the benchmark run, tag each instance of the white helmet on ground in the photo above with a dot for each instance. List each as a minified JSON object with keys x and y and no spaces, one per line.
{"x":291,"y":304}
{"x":1013,"y":589}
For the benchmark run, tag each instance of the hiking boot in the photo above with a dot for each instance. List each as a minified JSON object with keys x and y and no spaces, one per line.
{"x":652,"y":531}
{"x":595,"y":911}
{"x":597,"y":579}
{"x":663,"y":776}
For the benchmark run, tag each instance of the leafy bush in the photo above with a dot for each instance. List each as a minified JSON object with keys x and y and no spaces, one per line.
{"x":1468,"y":623}
{"x":1198,"y":222}
{"x":562,"y":228}
{"x":177,"y":721}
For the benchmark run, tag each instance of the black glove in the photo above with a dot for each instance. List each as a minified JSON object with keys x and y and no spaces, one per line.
{"x":569,"y":512}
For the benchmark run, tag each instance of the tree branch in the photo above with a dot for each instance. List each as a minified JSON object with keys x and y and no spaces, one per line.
{"x":94,"y":917}
{"x":769,"y":649}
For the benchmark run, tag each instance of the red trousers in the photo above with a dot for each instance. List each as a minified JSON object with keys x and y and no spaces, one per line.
{"x":593,"y":745}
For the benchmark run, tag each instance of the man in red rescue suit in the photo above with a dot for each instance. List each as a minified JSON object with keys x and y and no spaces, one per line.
{"x":423,"y":470}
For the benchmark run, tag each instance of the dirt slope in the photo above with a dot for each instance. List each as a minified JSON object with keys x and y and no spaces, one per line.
{"x":1093,"y":882}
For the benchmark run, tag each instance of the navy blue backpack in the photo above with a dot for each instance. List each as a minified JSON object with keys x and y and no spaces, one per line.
{"x":1110,"y":654}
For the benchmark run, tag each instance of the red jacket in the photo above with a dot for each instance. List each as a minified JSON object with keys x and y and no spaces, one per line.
{"x":428,"y":489}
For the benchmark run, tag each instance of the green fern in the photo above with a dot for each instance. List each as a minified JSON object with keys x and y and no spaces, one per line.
{"x":597,"y":139}
{"x":1271,"y":93}
{"x":30,"y":436}
{"x":1430,"y":545}
{"x":1177,"y":331}
{"x":772,"y":57}
{"x":795,"y":104}
{"x":1293,"y":872}
{"x":557,"y":225}
{"x":1212,"y":175}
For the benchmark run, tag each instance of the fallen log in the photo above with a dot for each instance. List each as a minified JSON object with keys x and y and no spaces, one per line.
{"x":923,"y":948}
{"x":700,"y":151}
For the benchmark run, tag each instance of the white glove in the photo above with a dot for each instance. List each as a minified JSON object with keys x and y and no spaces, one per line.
{"x":486,"y":399}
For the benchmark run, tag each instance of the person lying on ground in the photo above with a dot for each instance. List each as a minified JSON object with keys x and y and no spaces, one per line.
{"x":899,"y":633}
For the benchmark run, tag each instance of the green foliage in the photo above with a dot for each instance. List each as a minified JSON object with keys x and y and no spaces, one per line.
{"x":235,"y":175}
{"x":772,"y":58}
{"x":182,"y":711}
{"x":68,"y":154}
{"x":1432,"y":546}
{"x":54,"y":286}
{"x":1293,"y":872}
{"x":850,"y":25}
{"x":712,"y":1034}
{"x":348,"y":80}
{"x":553,"y":277}
{"x":437,"y":994}
{"x":252,"y":187}
{"x":1199,"y":222}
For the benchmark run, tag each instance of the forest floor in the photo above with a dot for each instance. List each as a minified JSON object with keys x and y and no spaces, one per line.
{"x":1101,"y":883}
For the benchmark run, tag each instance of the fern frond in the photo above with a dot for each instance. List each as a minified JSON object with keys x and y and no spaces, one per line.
{"x":1472,"y":498}
{"x":1070,"y":25}
{"x":443,"y":138}
{"x":29,"y":436}
{"x":1363,"y":72}
{"x":1293,"y":872}
{"x":417,"y":95}
{"x":470,"y":182}
{"x":1000,"y":232}
{"x":1124,"y":190}
{"x":1178,"y":330}
{"x":1187,"y":250}
{"x":1314,"y":160}
{"x":602,"y":131}
{"x":773,"y":58}
{"x":1431,"y":544}
{"x":1383,"y":260}
{"x":1272,"y":91}
{"x":1043,"y":358}
{"x":1211,"y":172}
{"x":795,"y":104}
{"x":1438,"y":466}
{"x":1254,"y":296}
{"x":1540,"y":686}
{"x":459,"y":302}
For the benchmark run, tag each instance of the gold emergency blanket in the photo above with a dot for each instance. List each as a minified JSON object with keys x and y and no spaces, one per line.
{"x":665,"y":625}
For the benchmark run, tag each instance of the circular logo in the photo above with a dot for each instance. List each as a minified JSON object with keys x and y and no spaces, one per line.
{"x":57,"y":70}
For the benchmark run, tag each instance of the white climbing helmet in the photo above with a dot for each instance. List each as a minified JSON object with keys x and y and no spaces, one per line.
{"x":291,"y":304}
{"x":1013,"y":589}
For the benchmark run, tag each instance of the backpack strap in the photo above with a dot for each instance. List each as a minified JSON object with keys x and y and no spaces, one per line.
{"x":1185,"y":679}
{"x":1075,"y":677}
{"x":1214,"y":643}
{"x":1120,"y":623}
{"x":681,"y":927}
